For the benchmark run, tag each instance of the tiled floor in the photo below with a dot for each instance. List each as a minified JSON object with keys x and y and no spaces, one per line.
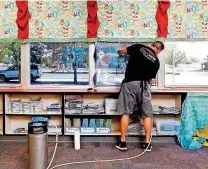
{"x":14,"y":155}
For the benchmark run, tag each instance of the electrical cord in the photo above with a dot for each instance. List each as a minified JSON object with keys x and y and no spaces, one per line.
{"x":93,"y":161}
{"x":54,"y":152}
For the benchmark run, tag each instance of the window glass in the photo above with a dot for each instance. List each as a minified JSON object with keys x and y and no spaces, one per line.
{"x":10,"y":63}
{"x":186,"y":63}
{"x":110,"y":67}
{"x":59,"y":64}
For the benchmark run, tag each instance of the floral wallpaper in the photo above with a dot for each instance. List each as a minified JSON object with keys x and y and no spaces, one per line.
{"x":58,"y":19}
{"x":118,"y":19}
{"x":188,"y":19}
{"x":8,"y":15}
{"x":127,"y":19}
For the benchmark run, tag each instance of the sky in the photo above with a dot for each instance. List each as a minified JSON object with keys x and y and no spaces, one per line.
{"x":192,"y":49}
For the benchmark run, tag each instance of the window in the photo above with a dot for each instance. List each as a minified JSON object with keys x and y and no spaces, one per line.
{"x":59,"y":64}
{"x":110,"y":67}
{"x":9,"y":63}
{"x":186,"y":63}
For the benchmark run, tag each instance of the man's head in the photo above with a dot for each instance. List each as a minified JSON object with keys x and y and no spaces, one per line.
{"x":157,"y":46}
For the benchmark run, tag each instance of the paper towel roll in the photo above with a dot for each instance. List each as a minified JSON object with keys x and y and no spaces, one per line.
{"x":76,"y":140}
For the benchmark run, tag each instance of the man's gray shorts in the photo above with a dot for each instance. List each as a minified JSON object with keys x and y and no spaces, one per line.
{"x":130,"y":100}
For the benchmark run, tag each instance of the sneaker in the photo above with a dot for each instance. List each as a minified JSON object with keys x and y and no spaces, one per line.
{"x":121,"y":145}
{"x":145,"y":146}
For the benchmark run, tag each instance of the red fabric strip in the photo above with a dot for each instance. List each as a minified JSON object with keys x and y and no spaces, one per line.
{"x":92,"y":19}
{"x":23,"y":17}
{"x":162,"y":18}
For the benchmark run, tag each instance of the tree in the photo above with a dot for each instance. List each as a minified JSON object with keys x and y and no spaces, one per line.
{"x":8,"y":60}
{"x":48,"y":62}
{"x":206,"y":59}
{"x":57,"y":53}
{"x":37,"y":52}
{"x":49,"y":54}
{"x":179,"y":57}
{"x":191,"y":60}
{"x":206,"y":63}
{"x":169,"y":58}
{"x":10,"y":53}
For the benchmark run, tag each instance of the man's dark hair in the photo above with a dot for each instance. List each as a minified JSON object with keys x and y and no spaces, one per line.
{"x":162,"y":46}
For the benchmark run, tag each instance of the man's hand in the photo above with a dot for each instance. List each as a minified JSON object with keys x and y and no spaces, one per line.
{"x":152,"y":81}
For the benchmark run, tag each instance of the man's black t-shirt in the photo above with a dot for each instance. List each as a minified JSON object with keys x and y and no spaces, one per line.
{"x":143,"y":63}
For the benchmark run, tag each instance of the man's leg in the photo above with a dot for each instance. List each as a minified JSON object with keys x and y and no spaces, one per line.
{"x":121,"y":144}
{"x":125,"y":104}
{"x":148,"y":128}
{"x":124,"y":126}
{"x":147,"y":116}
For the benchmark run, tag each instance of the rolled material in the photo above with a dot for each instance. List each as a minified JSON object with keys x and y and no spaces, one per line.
{"x":77,"y":140}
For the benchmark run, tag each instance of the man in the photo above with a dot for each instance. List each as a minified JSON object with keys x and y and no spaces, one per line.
{"x":73,"y":60}
{"x":141,"y":71}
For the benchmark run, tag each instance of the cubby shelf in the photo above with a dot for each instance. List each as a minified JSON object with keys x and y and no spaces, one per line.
{"x":14,"y":120}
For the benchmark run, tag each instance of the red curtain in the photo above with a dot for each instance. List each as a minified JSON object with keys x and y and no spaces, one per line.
{"x":162,"y":18}
{"x":22,"y":21}
{"x":92,"y":19}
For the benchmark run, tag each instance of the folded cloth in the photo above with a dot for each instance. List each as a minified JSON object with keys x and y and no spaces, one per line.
{"x":135,"y":128}
{"x":169,"y":110}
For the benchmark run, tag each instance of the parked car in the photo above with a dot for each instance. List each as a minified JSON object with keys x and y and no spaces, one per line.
{"x":35,"y":72}
{"x":13,"y":73}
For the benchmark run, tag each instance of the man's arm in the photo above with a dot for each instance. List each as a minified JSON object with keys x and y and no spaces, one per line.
{"x":129,"y":50}
{"x":123,"y":51}
{"x":154,"y":73}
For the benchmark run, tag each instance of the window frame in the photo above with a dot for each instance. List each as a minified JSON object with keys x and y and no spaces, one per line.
{"x":55,"y":86}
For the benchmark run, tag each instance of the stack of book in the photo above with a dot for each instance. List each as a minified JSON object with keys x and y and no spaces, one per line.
{"x":15,"y":106}
{"x":73,"y":104}
{"x":135,"y":128}
{"x":26,"y":107}
{"x":20,"y":130}
{"x":54,"y":108}
{"x":165,"y":110}
{"x":36,"y":105}
{"x":93,"y":108}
